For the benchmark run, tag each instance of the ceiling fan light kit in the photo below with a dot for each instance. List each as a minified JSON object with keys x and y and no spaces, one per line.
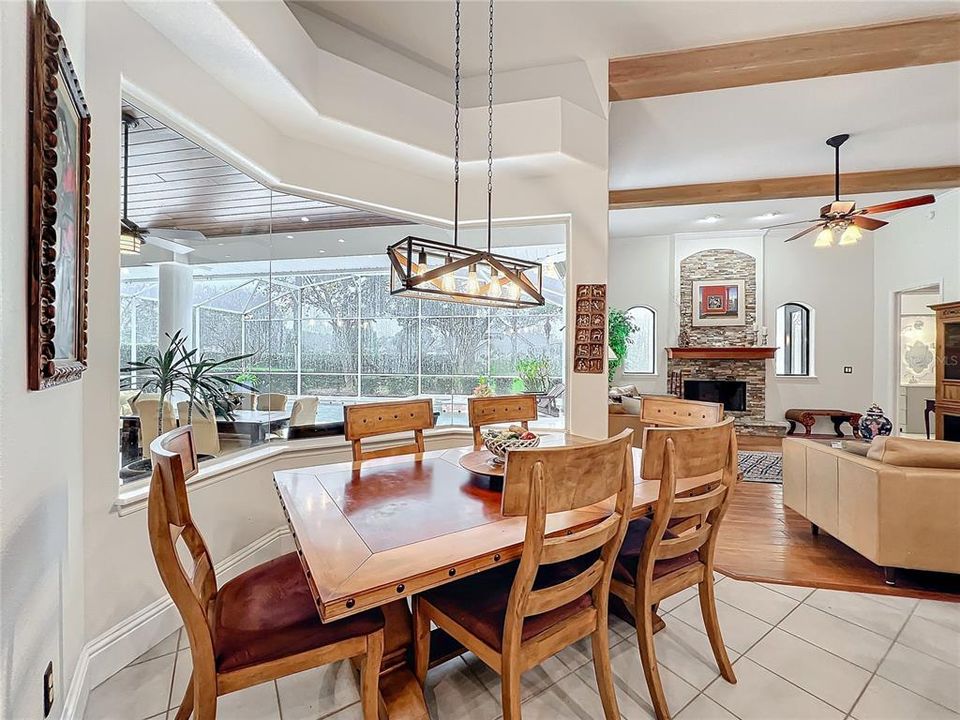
{"x":434,"y":270}
{"x":842,"y":218}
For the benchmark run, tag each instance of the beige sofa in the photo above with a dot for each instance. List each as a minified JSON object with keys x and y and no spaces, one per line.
{"x":896,"y":503}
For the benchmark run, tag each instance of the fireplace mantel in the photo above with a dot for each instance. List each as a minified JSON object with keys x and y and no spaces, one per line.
{"x":721,"y":353}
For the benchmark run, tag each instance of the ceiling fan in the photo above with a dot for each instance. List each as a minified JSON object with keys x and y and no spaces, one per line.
{"x":842,"y":217}
{"x":131,"y":234}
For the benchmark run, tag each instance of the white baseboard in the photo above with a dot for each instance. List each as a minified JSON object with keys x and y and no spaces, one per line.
{"x":129,"y":639}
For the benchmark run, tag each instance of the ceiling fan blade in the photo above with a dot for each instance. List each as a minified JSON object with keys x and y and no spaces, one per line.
{"x":897,"y":205}
{"x":867,"y":223}
{"x":804,"y":232}
{"x":176,"y":234}
{"x":795,"y":222}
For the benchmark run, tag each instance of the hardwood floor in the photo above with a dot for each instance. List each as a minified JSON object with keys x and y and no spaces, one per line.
{"x":760,"y":540}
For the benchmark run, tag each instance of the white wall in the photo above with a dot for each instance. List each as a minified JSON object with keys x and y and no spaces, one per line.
{"x":919,"y":247}
{"x":41,"y":433}
{"x":639,"y":271}
{"x":837,"y":283}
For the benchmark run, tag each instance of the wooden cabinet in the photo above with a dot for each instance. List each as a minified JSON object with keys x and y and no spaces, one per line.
{"x":948,"y":371}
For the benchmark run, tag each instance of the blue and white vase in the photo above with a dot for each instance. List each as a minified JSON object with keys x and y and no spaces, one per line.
{"x":874,"y":423}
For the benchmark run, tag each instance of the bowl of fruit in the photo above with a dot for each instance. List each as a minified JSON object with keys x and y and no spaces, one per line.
{"x":515,"y":437}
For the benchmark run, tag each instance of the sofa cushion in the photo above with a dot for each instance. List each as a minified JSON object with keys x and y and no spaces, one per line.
{"x":910,"y":452}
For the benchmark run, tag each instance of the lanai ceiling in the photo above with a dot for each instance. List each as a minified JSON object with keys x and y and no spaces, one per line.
{"x":174,"y":183}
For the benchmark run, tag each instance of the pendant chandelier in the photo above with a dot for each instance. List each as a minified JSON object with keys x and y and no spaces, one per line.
{"x":434,"y":270}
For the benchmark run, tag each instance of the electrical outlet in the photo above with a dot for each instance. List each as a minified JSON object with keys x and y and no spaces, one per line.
{"x":848,"y":369}
{"x":48,"y":689}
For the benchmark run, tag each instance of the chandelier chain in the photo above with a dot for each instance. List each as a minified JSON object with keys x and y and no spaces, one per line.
{"x":490,"y":135}
{"x":456,"y":124}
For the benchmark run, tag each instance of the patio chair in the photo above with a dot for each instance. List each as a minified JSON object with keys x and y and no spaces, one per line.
{"x":547,"y":404}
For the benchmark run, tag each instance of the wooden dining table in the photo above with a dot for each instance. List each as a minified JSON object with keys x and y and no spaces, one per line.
{"x":373,"y":534}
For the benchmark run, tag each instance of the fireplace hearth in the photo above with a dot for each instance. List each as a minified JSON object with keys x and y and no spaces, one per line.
{"x":732,"y":393}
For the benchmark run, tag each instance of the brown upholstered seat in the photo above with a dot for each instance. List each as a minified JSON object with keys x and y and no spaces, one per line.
{"x":629,"y":556}
{"x":479,"y":603}
{"x":268,"y":612}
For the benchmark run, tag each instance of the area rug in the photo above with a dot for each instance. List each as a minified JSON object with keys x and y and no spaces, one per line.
{"x":764,"y":467}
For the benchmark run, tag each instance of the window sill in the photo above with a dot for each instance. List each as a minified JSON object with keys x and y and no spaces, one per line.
{"x":796,"y":377}
{"x":133,"y":497}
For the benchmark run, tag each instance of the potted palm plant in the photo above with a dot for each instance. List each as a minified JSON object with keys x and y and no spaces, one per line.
{"x":178,"y":369}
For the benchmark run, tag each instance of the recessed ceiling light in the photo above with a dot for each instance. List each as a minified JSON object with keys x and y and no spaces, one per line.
{"x":321,"y":251}
{"x":340,"y":240}
{"x":710,"y":219}
{"x":220,"y":244}
{"x":768,"y":215}
{"x":289,"y":237}
{"x":304,"y":219}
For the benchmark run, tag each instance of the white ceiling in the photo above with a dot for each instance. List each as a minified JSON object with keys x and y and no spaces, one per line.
{"x":642,"y":222}
{"x":907,"y":117}
{"x":531,"y":34}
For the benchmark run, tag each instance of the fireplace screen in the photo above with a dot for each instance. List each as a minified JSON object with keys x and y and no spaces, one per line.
{"x":732,"y":393}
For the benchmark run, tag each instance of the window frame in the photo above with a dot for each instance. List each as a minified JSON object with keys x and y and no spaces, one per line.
{"x":653,"y":344}
{"x":808,"y":327}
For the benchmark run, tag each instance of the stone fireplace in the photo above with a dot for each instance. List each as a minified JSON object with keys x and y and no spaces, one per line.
{"x":718,"y":356}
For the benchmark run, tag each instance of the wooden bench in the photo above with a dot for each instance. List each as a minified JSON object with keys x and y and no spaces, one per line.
{"x":808,"y":419}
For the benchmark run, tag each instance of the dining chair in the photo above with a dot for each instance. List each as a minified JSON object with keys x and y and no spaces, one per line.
{"x":372,"y":419}
{"x":515,"y":617}
{"x":304,"y":411}
{"x":257,"y":627}
{"x":206,"y":436}
{"x":669,"y":411}
{"x":147,"y":409}
{"x":271,"y":401}
{"x":656,"y":561}
{"x":499,"y":409}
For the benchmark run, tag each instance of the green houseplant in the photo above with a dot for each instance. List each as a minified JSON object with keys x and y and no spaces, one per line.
{"x":160,"y":372}
{"x":619,"y":329}
{"x":199,"y":379}
{"x":534,"y":373}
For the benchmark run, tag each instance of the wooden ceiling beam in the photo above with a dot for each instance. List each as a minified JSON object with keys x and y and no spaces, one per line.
{"x":842,"y":51}
{"x":927,"y":178}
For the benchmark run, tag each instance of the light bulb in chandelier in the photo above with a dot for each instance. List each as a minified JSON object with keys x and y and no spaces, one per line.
{"x":449,"y":282}
{"x":850,"y":235}
{"x":473,"y":285}
{"x":513,"y":291}
{"x":824,"y":238}
{"x":493,"y":289}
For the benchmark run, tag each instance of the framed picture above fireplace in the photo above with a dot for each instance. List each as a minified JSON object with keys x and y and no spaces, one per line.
{"x":718,"y":303}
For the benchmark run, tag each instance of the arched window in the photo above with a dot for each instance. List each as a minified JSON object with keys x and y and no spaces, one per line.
{"x":794,"y":339}
{"x":641,"y":357}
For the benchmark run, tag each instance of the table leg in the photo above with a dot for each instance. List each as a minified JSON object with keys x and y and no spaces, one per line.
{"x":926,"y":419}
{"x":400,"y":693}
{"x":838,"y":420}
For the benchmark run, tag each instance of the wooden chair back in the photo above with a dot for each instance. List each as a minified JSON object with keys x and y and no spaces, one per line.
{"x":248,"y":400}
{"x":499,"y":409}
{"x":557,"y":480}
{"x":673,"y":454}
{"x":170,"y":523}
{"x":372,"y":419}
{"x":271,"y":401}
{"x":674,"y":412}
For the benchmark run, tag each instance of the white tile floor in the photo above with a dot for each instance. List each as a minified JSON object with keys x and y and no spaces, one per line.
{"x":797,"y":653}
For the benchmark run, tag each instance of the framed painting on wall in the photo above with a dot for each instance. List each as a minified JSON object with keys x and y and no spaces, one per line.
{"x":60,"y":188}
{"x":718,"y":303}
